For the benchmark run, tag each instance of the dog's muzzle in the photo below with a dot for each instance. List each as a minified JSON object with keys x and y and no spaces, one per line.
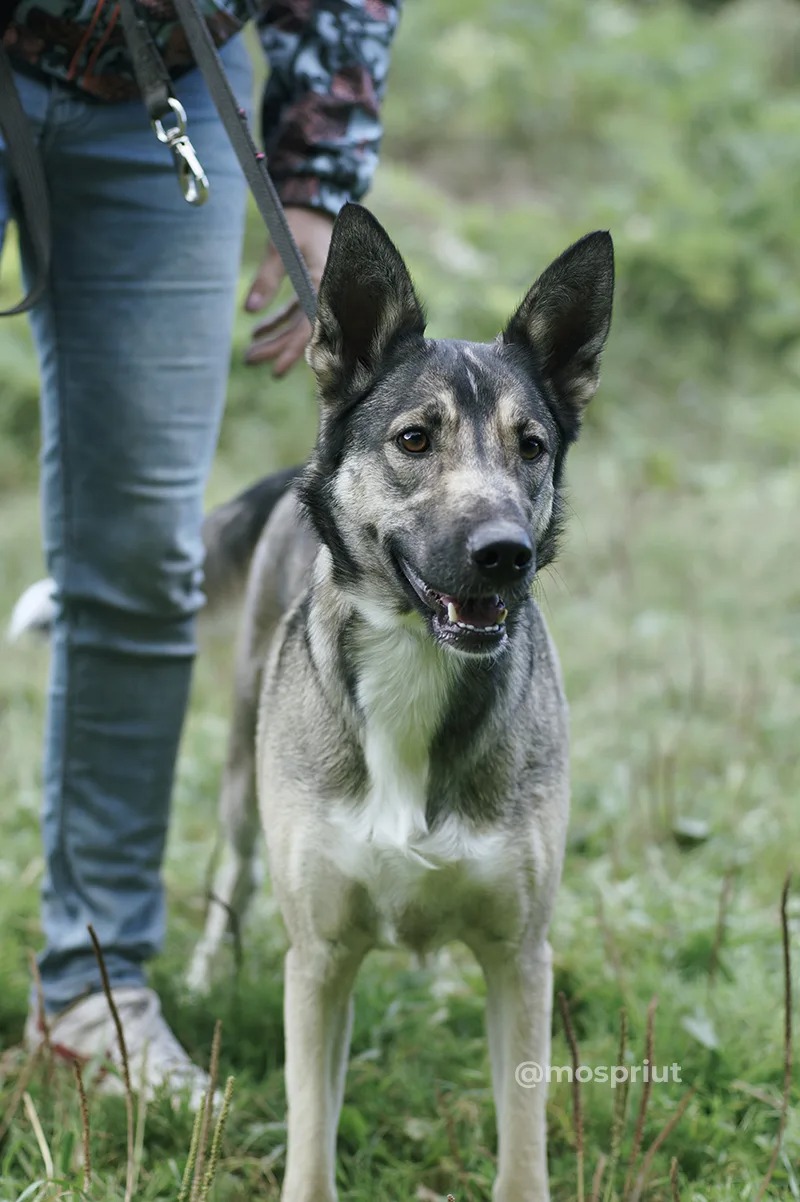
{"x":469,"y":623}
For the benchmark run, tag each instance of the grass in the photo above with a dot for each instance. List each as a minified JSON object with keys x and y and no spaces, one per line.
{"x":675,"y":608}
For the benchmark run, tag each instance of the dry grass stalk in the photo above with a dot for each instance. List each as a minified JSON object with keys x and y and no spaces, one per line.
{"x":597,"y":1179}
{"x":673,"y":1180}
{"x":216,"y":1142}
{"x":664,"y":1133}
{"x":19,"y":1091}
{"x":32,"y":1114}
{"x":455,"y":1151}
{"x":638,"y":1134}
{"x":207,"y":1109}
{"x":620,"y":1107}
{"x":235,"y":927}
{"x":41,"y":1013}
{"x":138,"y":1139}
{"x":787,"y":1039}
{"x":123,"y":1052}
{"x":191,"y":1159}
{"x":577,"y":1107}
{"x":610,"y":945}
{"x":85,"y":1129}
{"x":726,"y":893}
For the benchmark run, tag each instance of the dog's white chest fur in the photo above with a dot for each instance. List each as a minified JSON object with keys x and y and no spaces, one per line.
{"x":405,"y":685}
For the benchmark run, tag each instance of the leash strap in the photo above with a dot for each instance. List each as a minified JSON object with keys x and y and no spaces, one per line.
{"x":27,"y":171}
{"x":152,"y":77}
{"x":167,"y":114}
{"x":252,"y":161}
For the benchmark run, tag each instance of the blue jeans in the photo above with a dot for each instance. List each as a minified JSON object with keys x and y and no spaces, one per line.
{"x":133,"y":340}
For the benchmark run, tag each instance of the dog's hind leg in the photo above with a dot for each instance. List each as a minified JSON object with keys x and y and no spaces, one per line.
{"x":519,"y":1003}
{"x":240,"y":870}
{"x":277,"y":570}
{"x":317,"y":1016}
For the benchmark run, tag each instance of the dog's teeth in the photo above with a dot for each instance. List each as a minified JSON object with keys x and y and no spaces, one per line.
{"x":480,"y":629}
{"x":452,"y":613}
{"x":501,"y":617}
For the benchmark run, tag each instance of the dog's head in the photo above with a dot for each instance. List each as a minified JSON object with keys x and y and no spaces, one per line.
{"x":435,"y":481}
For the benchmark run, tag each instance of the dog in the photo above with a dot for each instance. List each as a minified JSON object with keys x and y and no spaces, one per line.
{"x":400,"y":729}
{"x":400,"y":722}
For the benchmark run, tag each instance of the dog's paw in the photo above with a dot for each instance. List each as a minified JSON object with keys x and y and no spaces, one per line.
{"x":201,"y":971}
{"x":34,"y":612}
{"x":530,"y":1190}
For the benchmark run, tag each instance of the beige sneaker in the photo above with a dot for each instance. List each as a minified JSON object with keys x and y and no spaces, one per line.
{"x":86,"y":1032}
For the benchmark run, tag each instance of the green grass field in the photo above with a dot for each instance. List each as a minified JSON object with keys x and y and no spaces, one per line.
{"x":675,"y":607}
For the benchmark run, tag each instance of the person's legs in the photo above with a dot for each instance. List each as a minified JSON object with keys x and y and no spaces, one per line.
{"x":134,"y":343}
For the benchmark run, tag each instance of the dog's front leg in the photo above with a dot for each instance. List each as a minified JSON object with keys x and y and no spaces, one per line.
{"x":519,"y":1003}
{"x":317,"y":1017}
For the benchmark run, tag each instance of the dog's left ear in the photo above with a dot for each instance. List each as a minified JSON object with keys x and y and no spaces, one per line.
{"x":366,"y":304}
{"x":565,"y":319}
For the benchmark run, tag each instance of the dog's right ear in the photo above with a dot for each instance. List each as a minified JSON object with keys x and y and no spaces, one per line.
{"x":366,"y":303}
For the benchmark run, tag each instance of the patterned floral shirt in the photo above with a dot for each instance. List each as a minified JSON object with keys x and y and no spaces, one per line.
{"x":328,"y":62}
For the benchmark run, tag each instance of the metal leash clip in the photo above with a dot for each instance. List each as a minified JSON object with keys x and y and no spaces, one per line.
{"x":191,"y":176}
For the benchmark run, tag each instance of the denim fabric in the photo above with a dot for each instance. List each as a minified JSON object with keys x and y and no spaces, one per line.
{"x":133,"y":340}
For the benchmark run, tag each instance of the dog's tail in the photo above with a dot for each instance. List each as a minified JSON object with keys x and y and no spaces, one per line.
{"x":230,"y":534}
{"x":34,"y":611}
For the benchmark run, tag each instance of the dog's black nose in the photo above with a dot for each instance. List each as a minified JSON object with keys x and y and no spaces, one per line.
{"x":501,"y":550}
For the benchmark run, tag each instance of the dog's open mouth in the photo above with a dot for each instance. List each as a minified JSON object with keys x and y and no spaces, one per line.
{"x":469,"y":623}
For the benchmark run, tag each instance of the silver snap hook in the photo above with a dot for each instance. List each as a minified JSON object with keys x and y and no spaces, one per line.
{"x":191,"y":176}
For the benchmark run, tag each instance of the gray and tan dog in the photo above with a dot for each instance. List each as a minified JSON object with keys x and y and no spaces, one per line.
{"x":399,"y":715}
{"x":399,"y":709}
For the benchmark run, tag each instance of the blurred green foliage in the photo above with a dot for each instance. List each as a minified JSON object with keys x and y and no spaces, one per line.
{"x":512,"y":128}
{"x":677,"y":131}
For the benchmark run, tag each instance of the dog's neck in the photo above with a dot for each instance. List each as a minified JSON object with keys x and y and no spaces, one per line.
{"x":394,"y":669}
{"x":401,"y":687}
{"x":419,"y":713}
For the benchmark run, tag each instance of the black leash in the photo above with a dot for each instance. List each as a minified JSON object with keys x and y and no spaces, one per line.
{"x":169,"y":122}
{"x":167,"y":114}
{"x":28,"y":174}
{"x":252,"y":161}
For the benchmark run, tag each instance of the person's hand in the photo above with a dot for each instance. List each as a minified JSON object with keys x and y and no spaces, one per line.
{"x":282,"y":338}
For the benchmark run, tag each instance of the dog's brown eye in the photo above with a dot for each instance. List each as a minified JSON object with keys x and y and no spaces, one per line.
{"x":413,"y":441}
{"x":530,"y":447}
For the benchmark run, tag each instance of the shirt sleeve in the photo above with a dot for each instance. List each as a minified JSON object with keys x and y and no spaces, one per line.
{"x":321,"y":110}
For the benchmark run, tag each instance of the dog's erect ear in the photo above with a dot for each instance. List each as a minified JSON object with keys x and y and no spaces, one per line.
{"x":366,"y":302}
{"x":565,"y":319}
